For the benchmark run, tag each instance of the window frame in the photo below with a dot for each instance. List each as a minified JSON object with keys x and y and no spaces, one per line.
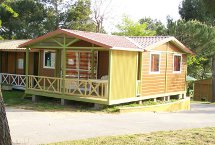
{"x":177,"y":54}
{"x":19,"y":64}
{"x":150,"y":71}
{"x":48,"y":67}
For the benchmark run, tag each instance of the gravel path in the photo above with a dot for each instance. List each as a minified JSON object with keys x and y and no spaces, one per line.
{"x":32,"y":127}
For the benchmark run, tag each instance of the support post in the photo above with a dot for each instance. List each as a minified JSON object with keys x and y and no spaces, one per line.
{"x":64,"y":102}
{"x":26,"y":66}
{"x":155,"y":99}
{"x":167,"y":98}
{"x":35,"y":98}
{"x":92,"y":63}
{"x":64,"y":64}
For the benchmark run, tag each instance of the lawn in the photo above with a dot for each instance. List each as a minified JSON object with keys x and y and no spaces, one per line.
{"x":16,"y":98}
{"x":203,"y":136}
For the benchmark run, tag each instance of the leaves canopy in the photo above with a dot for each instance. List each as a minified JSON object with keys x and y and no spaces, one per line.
{"x":197,"y":10}
{"x":131,"y":28}
{"x":37,"y":17}
{"x":200,"y":38}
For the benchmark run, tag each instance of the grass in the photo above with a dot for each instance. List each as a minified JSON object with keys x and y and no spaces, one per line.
{"x":16,"y":99}
{"x":202,"y":136}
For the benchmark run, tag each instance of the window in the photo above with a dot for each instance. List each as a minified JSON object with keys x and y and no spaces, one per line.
{"x":155,"y":63}
{"x":49,"y":59}
{"x":20,"y":63}
{"x":177,"y":62}
{"x":79,"y":64}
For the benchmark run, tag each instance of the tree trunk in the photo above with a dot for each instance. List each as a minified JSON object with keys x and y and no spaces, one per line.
{"x":213,"y":78}
{"x":5,"y":138}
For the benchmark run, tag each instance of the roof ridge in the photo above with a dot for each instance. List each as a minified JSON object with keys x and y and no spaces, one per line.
{"x":135,"y":43}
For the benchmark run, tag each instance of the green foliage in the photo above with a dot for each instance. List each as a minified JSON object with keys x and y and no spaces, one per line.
{"x":78,"y":16}
{"x":196,"y":10}
{"x":37,"y":17}
{"x":131,"y":28}
{"x":200,"y":38}
{"x":154,"y":25}
{"x":29,"y":24}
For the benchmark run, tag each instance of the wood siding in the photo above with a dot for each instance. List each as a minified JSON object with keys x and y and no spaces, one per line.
{"x":45,"y":71}
{"x":9,"y":62}
{"x":103,"y":63}
{"x":123,"y":74}
{"x":166,"y":81}
{"x":203,"y":90}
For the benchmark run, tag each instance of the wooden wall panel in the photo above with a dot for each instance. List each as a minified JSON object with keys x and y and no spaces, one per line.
{"x":4,"y":62}
{"x":45,"y":71}
{"x":20,"y":55}
{"x":166,"y":81}
{"x":11,"y":62}
{"x":123,"y":74}
{"x":203,"y":90}
{"x":103,"y":63}
{"x":152,"y":83}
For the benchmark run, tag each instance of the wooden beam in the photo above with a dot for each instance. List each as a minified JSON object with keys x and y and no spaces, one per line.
{"x":166,"y":66}
{"x":64,"y":64}
{"x":26,"y":64}
{"x":92,"y":63}
{"x":39,"y":62}
{"x":58,"y":42}
{"x":15,"y":62}
{"x":72,"y":42}
{"x":109,"y":76}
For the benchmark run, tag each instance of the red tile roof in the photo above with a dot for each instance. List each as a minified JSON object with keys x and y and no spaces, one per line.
{"x":109,"y":40}
{"x":145,"y":41}
{"x":112,"y":41}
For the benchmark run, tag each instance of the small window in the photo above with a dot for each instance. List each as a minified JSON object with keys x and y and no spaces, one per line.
{"x":177,"y":62}
{"x":20,"y":63}
{"x":49,"y":59}
{"x":155,"y":63}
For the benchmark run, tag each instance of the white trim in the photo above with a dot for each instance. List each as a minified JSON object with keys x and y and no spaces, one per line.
{"x":48,"y":67}
{"x":157,"y":72}
{"x":177,"y":54}
{"x":127,"y":49}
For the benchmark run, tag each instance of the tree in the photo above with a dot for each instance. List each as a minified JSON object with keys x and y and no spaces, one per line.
{"x":209,"y":4}
{"x":196,"y":10}
{"x":154,"y":25}
{"x":30,"y":22}
{"x":100,"y":13}
{"x":5,"y":138}
{"x":131,"y":28}
{"x":78,"y":16}
{"x":200,"y":38}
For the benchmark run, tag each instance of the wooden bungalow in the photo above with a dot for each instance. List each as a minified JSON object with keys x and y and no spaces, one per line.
{"x":106,"y":69}
{"x":12,"y":63}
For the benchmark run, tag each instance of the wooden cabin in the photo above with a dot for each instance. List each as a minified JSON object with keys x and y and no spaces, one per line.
{"x":106,"y":69}
{"x":12,"y":63}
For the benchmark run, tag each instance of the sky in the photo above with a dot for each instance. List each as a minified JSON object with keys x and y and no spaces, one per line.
{"x":137,"y":9}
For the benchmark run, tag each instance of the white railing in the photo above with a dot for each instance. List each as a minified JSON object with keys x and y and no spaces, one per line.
{"x":13,"y":79}
{"x":77,"y":87}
